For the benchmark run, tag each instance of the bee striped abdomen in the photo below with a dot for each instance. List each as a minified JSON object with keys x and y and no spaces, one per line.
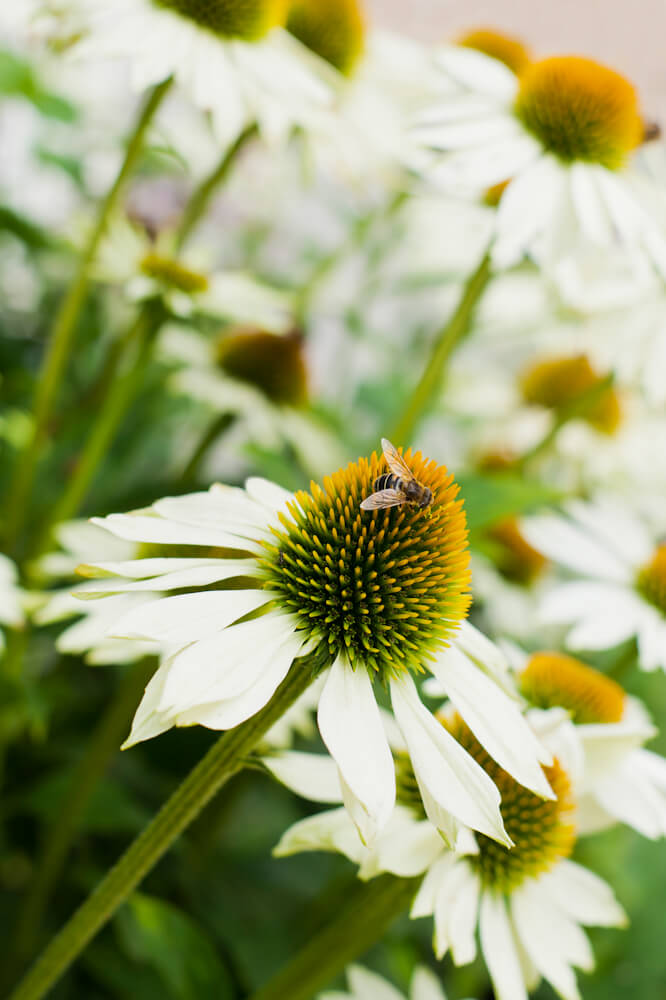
{"x":387,"y":482}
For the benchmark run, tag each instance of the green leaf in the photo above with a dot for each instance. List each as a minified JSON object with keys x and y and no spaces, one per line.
{"x":491,"y":498}
{"x":178,"y":949}
{"x":17,"y":79}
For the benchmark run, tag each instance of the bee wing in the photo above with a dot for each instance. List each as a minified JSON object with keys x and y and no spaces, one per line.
{"x":396,"y":462}
{"x":383,"y":498}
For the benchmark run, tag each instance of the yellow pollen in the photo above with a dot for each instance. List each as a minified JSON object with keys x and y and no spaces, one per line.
{"x":333,"y":29}
{"x":506,"y":49}
{"x":273,"y":363}
{"x":553,"y":680}
{"x":493,"y":195}
{"x":514,"y":557}
{"x":169,"y":272}
{"x":558,"y":383}
{"x":386,"y":588}
{"x":651,"y":579}
{"x":580,"y":110}
{"x":542,"y":830}
{"x":248,"y":20}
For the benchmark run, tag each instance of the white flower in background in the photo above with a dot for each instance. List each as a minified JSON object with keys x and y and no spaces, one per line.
{"x":233,"y":58}
{"x":622,"y":593}
{"x":560,"y":135}
{"x":185,"y":282}
{"x":81,"y":541}
{"x":371,"y":595}
{"x":11,"y":597}
{"x":529,"y":902}
{"x":590,"y":723}
{"x":366,"y":985}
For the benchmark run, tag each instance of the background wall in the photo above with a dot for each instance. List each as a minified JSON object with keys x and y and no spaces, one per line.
{"x":629,"y":36}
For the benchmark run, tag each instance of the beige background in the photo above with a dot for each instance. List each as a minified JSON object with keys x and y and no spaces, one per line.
{"x":629,"y":35}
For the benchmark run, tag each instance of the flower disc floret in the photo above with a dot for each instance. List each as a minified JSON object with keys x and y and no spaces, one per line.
{"x":273,"y":363}
{"x":515,"y":558}
{"x":580,"y":110}
{"x":651,"y":579}
{"x":385,"y":588}
{"x":248,"y":20}
{"x":333,"y":29}
{"x":506,"y":49}
{"x":558,"y":383}
{"x":542,"y":830}
{"x":552,"y":680}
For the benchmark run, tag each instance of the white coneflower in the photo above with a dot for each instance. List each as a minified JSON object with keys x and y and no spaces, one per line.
{"x":11,"y":597}
{"x":366,"y":985}
{"x":185,"y":283}
{"x":559,"y":135}
{"x":529,"y":903}
{"x":233,"y":58}
{"x":622,"y":593}
{"x":601,"y":739}
{"x":372,"y":595}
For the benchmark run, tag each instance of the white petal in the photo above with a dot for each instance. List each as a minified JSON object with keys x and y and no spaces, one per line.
{"x":495,"y":720}
{"x":569,"y":545}
{"x":499,"y":948}
{"x":194,"y":576}
{"x":188,"y":617}
{"x":552,"y":941}
{"x":332,"y":830}
{"x":368,"y":986}
{"x":583,"y":896}
{"x":425,"y":986}
{"x":351,"y":728}
{"x":313,"y":776}
{"x":159,"y":530}
{"x":424,"y":901}
{"x":449,"y":778}
{"x":268,"y":494}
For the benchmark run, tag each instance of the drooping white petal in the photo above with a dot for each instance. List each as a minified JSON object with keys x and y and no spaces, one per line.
{"x":368,"y":986}
{"x":351,"y":728}
{"x":268,"y":494}
{"x":552,"y":940}
{"x":194,"y":576}
{"x":425,"y":985}
{"x":187,"y":617}
{"x":570,"y":545}
{"x":424,"y":901}
{"x":406,"y":846}
{"x":332,"y":830}
{"x":313,"y":776}
{"x":499,"y":948}
{"x":448,"y":777}
{"x":583,"y":896}
{"x":455,"y":914}
{"x":495,"y":720}
{"x":628,"y":795}
{"x":144,"y":527}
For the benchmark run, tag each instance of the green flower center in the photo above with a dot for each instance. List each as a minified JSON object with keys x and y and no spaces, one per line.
{"x":272,"y":363}
{"x":553,"y":680}
{"x":580,"y":110}
{"x":333,"y":29}
{"x":542,"y":829}
{"x":172,"y":274}
{"x":651,"y":579}
{"x":248,"y":20}
{"x":385,"y":587}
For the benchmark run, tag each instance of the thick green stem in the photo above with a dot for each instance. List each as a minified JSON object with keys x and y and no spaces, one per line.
{"x":579,"y":407}
{"x":201,"y":198}
{"x":65,"y":325}
{"x":218,"y":425}
{"x":104,"y":743}
{"x":223,"y":760}
{"x":445,"y":343}
{"x":360,"y":922}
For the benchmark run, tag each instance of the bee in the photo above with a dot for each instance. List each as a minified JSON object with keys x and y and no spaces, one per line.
{"x":399,"y":486}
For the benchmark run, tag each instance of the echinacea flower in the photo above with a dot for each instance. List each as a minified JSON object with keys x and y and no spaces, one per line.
{"x":559,"y":136}
{"x":263,"y":577}
{"x":601,"y":738}
{"x":366,"y":985}
{"x":529,"y":903}
{"x":621,"y":590}
{"x":233,"y":58}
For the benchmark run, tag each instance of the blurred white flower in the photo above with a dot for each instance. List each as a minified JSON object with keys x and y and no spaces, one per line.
{"x":559,"y":136}
{"x":365,"y":985}
{"x":11,"y":597}
{"x":622,"y":593}
{"x":234,"y":60}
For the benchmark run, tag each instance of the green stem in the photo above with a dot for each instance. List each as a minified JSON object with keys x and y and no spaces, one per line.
{"x":201,"y":198}
{"x":113,"y":409}
{"x":359,"y":923}
{"x":223,"y":760}
{"x":218,"y":425}
{"x":446,"y":342}
{"x":65,"y":325}
{"x":104,"y":743}
{"x":579,"y":407}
